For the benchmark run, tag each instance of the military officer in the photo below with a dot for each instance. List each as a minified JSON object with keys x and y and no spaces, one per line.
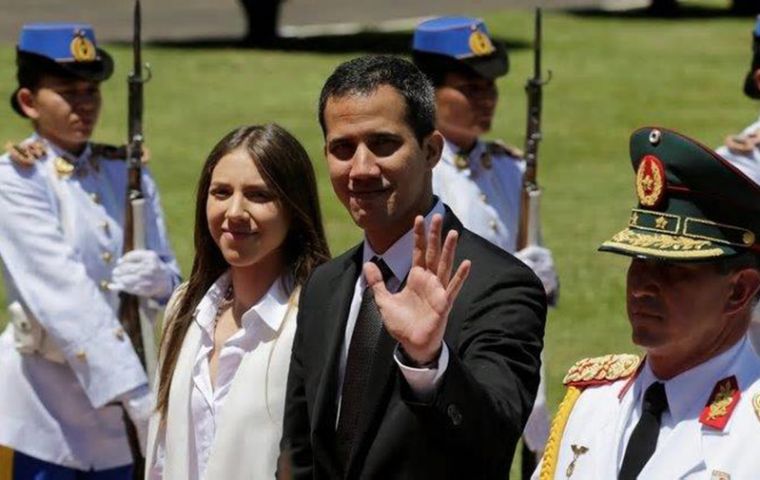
{"x":691,"y":409}
{"x":67,"y":369}
{"x":480,"y":180}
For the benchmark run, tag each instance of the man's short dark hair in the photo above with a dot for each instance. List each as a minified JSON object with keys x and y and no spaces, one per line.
{"x":364,"y":75}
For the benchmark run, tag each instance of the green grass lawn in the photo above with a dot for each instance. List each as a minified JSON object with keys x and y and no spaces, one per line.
{"x":611,"y":74}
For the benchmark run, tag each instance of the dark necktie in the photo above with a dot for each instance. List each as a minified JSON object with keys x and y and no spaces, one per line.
{"x":361,"y":351}
{"x":643,"y":441}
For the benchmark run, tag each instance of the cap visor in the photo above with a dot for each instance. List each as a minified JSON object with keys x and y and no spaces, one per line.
{"x":638,"y":243}
{"x":493,"y":66}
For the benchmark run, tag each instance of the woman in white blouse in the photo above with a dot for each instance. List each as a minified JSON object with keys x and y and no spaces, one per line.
{"x":228,"y":331}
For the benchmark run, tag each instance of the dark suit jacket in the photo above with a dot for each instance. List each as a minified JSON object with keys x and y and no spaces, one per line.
{"x":470,"y":428}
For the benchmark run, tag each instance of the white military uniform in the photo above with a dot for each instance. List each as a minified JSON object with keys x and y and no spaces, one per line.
{"x":702,"y":435}
{"x":60,"y":235}
{"x":748,"y":161}
{"x":487,"y":200}
{"x":483,"y":188}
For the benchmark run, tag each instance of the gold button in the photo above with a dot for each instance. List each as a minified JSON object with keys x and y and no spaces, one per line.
{"x":81,"y":355}
{"x":483,"y":198}
{"x":119,"y":332}
{"x":494,"y":226}
{"x":95,"y":197}
{"x":105,"y":227}
{"x":107,"y":257}
{"x":104,"y":285}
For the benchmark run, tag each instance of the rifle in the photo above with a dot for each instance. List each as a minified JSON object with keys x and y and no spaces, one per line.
{"x":132,"y":312}
{"x":529,"y":231}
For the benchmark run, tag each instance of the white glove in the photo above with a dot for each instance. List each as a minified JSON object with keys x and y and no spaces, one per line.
{"x":142,"y":273}
{"x":139,"y":404}
{"x":540,"y":260}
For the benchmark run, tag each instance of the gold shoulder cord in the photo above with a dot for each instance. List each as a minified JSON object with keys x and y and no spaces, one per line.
{"x":551,"y":453}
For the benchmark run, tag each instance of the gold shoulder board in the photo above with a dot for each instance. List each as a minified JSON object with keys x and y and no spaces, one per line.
{"x":25,"y":154}
{"x":498,"y":147}
{"x":602,"y":370}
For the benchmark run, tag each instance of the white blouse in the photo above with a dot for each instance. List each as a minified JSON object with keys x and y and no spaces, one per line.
{"x":258,"y":325}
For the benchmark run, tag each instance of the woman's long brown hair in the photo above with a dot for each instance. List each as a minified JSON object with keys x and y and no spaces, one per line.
{"x":288,"y":172}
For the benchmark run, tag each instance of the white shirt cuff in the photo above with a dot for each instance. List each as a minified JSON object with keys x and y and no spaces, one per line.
{"x":424,"y":381}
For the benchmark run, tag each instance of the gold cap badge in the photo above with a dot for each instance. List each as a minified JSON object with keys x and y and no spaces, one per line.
{"x":82,"y":48}
{"x":650,"y":181}
{"x":480,"y":44}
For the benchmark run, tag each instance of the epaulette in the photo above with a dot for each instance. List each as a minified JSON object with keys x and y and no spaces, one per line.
{"x":25,"y":154}
{"x":722,"y":403}
{"x":109,"y":152}
{"x":498,"y":147}
{"x":601,"y":370}
{"x":105,"y":151}
{"x":585,"y":373}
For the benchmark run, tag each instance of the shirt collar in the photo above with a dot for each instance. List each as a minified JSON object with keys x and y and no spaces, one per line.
{"x":270,"y":309}
{"x":399,"y":256}
{"x":689,"y":391}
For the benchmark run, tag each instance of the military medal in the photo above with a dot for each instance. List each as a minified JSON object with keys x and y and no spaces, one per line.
{"x":718,"y":475}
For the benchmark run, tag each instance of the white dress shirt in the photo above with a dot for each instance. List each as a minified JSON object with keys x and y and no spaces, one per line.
{"x":258,"y":325}
{"x":681,"y":392}
{"x":399,"y":259}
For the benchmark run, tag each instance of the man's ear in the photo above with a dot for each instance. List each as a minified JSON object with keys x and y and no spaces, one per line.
{"x":756,"y":78}
{"x":433,"y":148}
{"x":745,"y":288}
{"x":26,"y":100}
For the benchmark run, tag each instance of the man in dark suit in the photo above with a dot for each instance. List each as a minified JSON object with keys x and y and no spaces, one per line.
{"x":435,"y":374}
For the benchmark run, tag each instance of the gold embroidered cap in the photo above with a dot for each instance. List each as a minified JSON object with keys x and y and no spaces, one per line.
{"x":693,"y":205}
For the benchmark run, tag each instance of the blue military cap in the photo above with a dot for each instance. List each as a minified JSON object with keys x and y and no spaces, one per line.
{"x":750,"y":86}
{"x":62,"y":49}
{"x":463,"y":40}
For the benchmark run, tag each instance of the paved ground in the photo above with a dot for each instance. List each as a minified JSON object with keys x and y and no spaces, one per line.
{"x":198,"y":19}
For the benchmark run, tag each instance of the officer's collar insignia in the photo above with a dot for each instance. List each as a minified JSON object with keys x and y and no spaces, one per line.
{"x":756,"y":405}
{"x":718,"y":475}
{"x":63,"y":167}
{"x":602,"y":370}
{"x":578,"y":450}
{"x":499,"y":147}
{"x":461,"y":160}
{"x":721,"y":404}
{"x":486,"y":160}
{"x":650,"y":181}
{"x":480,"y":44}
{"x":25,"y":154}
{"x":82,"y":49}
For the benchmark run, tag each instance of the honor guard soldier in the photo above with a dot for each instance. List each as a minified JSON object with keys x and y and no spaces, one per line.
{"x":67,"y":369}
{"x":691,"y":408}
{"x":480,"y":180}
{"x":743,"y":150}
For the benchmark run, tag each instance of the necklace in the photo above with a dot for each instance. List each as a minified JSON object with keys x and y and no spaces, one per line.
{"x":226,"y":302}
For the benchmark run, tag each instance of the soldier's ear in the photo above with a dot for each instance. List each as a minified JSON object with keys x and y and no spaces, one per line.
{"x":745,"y":288}
{"x":26,"y":100}
{"x":432,"y":147}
